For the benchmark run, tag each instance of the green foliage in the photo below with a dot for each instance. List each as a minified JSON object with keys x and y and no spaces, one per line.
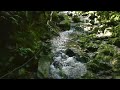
{"x":103,"y":52}
{"x":25,"y":51}
{"x":55,"y":17}
{"x":22,"y":34}
{"x":103,"y":60}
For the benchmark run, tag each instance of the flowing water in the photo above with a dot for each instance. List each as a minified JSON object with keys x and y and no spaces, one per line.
{"x":63,"y":66}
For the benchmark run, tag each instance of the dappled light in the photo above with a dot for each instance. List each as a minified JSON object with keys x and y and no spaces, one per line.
{"x":59,"y":45}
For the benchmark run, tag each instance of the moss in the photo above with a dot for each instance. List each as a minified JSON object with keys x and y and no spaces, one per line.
{"x":89,"y":75}
{"x":92,"y":47}
{"x":76,"y":19}
{"x":64,"y":25}
{"x":43,"y":66}
{"x":117,"y":42}
{"x":61,"y":17}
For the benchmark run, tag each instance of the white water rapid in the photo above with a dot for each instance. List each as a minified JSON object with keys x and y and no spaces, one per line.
{"x":63,"y":66}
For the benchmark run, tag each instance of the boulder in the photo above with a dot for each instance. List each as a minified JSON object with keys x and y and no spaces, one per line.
{"x":44,"y":66}
{"x":70,"y":53}
{"x":78,"y":57}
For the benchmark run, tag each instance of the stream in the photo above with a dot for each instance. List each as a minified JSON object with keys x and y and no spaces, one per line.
{"x":64,"y":66}
{"x":72,"y":56}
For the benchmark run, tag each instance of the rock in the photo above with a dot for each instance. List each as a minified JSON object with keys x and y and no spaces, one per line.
{"x":92,"y":22}
{"x":64,"y":25}
{"x":74,"y":53}
{"x":70,"y":53}
{"x":64,"y":56}
{"x":57,"y":58}
{"x":92,"y":49}
{"x":61,"y":17}
{"x":76,"y":19}
{"x":78,"y":28}
{"x":75,"y":71}
{"x":68,"y":69}
{"x":56,"y":64}
{"x":82,"y":59}
{"x":43,"y":70}
{"x":54,"y":73}
{"x":111,"y":23}
{"x":117,"y":42}
{"x":69,"y":14}
{"x":43,"y":67}
{"x":92,"y":17}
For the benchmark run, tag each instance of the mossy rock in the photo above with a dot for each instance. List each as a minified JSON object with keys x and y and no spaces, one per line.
{"x":97,"y":66}
{"x":64,"y":25}
{"x":76,"y":19}
{"x":75,"y":50}
{"x":95,"y":30}
{"x":107,"y":52}
{"x":117,"y":42}
{"x":100,"y":62}
{"x":70,"y":14}
{"x":93,"y":67}
{"x":90,"y":75}
{"x":55,"y":17}
{"x":82,"y":58}
{"x":116,"y":77}
{"x":92,"y":17}
{"x":91,"y":49}
{"x":112,"y":23}
{"x":44,"y":66}
{"x":61,"y":17}
{"x":107,"y":49}
{"x":92,"y":22}
{"x":78,"y":28}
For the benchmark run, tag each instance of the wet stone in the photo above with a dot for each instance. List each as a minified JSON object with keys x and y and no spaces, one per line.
{"x":70,"y":53}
